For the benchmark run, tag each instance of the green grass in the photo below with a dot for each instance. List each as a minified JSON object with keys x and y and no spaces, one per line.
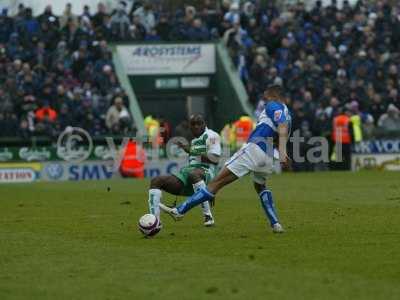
{"x":79,"y":241}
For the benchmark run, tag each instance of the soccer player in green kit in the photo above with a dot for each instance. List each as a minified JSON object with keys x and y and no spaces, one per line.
{"x":204,"y":152}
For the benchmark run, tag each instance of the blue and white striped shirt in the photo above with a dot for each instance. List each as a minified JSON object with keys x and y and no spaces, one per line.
{"x":273,"y":114}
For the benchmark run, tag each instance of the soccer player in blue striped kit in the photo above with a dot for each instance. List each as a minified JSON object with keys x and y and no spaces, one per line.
{"x":256,"y":157}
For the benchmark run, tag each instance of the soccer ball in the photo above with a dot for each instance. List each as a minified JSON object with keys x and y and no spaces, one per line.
{"x":149,"y":225}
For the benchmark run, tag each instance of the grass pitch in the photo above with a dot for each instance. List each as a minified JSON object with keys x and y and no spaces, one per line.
{"x":79,"y":241}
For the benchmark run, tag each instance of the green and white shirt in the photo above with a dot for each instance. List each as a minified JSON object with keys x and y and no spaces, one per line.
{"x":208,"y":143}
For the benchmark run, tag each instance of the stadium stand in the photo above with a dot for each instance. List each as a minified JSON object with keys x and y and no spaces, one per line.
{"x":57,"y":71}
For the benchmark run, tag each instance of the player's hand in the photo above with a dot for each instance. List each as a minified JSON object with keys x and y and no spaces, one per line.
{"x":286,"y":163}
{"x":183,"y":146}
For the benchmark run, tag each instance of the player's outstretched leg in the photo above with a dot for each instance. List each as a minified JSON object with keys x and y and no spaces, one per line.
{"x":204,"y":194}
{"x":268,"y":205}
{"x":154,"y":201}
{"x":169,"y":184}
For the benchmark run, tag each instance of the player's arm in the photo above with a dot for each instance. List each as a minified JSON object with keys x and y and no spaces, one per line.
{"x":183,"y":146}
{"x":283,"y":134}
{"x":280,"y":115}
{"x":210,"y":158}
{"x":213,"y":150}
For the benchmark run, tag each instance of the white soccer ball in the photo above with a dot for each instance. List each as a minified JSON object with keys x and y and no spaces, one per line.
{"x":149,"y":225}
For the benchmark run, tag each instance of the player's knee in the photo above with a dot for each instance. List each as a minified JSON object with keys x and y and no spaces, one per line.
{"x":156,"y":183}
{"x":215,"y":186}
{"x":195,"y":176}
{"x":259,"y":187}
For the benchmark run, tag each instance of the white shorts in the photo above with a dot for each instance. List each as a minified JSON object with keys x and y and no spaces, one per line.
{"x":251,"y":159}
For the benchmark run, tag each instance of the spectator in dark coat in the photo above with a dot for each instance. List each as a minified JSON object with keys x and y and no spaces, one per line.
{"x":6,"y":27}
{"x":198,"y":32}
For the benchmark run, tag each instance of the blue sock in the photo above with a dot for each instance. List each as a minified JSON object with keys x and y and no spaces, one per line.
{"x":268,"y":206}
{"x":202,"y":195}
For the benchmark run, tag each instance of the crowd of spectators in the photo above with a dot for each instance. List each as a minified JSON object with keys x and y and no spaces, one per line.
{"x":57,"y":71}
{"x":328,"y":59}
